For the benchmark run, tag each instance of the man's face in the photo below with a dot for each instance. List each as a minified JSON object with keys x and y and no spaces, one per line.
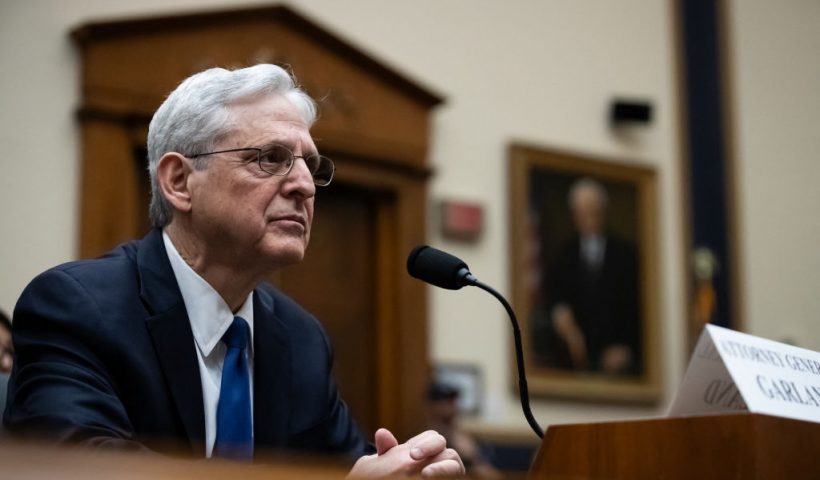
{"x":245,"y":216}
{"x":588,"y":212}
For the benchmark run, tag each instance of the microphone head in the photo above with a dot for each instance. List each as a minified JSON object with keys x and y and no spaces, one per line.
{"x":437,"y":268}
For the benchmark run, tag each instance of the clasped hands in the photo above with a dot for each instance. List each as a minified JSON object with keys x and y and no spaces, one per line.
{"x":426,"y":454}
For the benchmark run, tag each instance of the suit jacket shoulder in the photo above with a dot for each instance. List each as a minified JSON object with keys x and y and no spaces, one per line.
{"x":86,"y":369}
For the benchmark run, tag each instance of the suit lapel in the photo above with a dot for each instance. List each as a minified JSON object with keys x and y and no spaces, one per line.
{"x":171,"y":334}
{"x":271,"y":365}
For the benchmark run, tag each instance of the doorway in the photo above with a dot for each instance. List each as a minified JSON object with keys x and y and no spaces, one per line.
{"x":337,"y":282}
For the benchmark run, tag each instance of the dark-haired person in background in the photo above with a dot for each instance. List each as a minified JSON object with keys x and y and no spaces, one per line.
{"x":444,"y":412}
{"x":6,"y":347}
{"x":175,"y":341}
{"x":6,"y":357}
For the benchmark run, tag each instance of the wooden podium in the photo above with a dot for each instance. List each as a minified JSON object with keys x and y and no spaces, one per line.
{"x":737,"y":446}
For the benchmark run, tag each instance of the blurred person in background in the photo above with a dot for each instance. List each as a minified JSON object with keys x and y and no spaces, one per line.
{"x":443,"y":410}
{"x":6,"y":347}
{"x":6,"y":357}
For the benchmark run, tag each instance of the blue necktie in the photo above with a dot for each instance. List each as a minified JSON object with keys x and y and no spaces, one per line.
{"x":234,"y":428}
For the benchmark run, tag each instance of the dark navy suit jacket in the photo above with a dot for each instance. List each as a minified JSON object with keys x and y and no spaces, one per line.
{"x":105,"y":356}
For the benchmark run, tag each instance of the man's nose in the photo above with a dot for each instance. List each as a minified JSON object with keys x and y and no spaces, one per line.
{"x":299,"y":179}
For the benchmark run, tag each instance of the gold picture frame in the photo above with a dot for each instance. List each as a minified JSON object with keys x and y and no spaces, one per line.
{"x":589,"y":316}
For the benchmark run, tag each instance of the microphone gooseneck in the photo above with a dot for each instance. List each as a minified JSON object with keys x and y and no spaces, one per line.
{"x":447,"y":271}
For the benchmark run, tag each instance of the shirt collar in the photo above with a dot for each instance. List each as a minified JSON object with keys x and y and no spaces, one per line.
{"x":208,"y":312}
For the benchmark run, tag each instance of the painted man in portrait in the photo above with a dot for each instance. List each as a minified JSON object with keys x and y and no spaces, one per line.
{"x":589,"y":318}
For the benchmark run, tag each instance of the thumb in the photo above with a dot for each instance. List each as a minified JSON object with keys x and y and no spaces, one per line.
{"x":384,"y":441}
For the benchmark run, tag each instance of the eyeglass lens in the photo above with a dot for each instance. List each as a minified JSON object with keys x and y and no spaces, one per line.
{"x":278,"y":160}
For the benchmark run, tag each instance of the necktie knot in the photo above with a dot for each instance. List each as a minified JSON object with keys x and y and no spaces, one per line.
{"x":238,"y":334}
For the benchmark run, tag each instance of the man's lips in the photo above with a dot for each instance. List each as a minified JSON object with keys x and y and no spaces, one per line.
{"x":290,"y":219}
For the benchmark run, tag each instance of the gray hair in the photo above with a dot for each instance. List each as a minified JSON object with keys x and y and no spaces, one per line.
{"x":585,"y":183}
{"x":195,"y":117}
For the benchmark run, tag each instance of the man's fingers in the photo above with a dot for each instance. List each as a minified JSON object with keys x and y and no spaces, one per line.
{"x":448,"y":454}
{"x":444,"y":468}
{"x":425,"y":454}
{"x":384,"y":441}
{"x":422,"y":436}
{"x":426,"y":445}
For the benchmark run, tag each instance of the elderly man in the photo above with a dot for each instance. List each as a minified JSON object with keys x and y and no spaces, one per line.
{"x":591,"y":293}
{"x":174,"y":341}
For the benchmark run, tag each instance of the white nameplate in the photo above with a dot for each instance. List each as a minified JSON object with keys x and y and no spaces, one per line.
{"x":732,"y":371}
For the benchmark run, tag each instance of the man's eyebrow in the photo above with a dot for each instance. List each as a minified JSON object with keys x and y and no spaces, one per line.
{"x":290,"y":146}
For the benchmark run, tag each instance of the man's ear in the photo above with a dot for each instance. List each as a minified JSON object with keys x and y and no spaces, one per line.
{"x":173,"y":170}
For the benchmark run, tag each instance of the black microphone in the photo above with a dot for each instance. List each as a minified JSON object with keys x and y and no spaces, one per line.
{"x":446,"y":271}
{"x":438,"y":268}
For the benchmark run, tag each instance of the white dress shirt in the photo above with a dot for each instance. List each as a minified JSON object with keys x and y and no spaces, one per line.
{"x":593,"y":248}
{"x":210,"y":318}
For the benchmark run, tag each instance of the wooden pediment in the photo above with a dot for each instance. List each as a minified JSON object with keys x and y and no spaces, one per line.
{"x":366,"y":108}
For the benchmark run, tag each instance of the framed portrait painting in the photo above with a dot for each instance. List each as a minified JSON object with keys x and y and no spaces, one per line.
{"x":584,"y":274}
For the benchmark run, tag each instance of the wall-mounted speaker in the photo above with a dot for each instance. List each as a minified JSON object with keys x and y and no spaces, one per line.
{"x":636,"y":112}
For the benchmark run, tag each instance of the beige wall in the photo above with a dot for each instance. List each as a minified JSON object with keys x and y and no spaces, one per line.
{"x":777,"y":116}
{"x":536,"y":71}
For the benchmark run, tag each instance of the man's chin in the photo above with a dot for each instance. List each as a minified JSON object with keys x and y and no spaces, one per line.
{"x":283,"y":255}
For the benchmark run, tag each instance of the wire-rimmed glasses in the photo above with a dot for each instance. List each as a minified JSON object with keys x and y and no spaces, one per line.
{"x":278,"y":160}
